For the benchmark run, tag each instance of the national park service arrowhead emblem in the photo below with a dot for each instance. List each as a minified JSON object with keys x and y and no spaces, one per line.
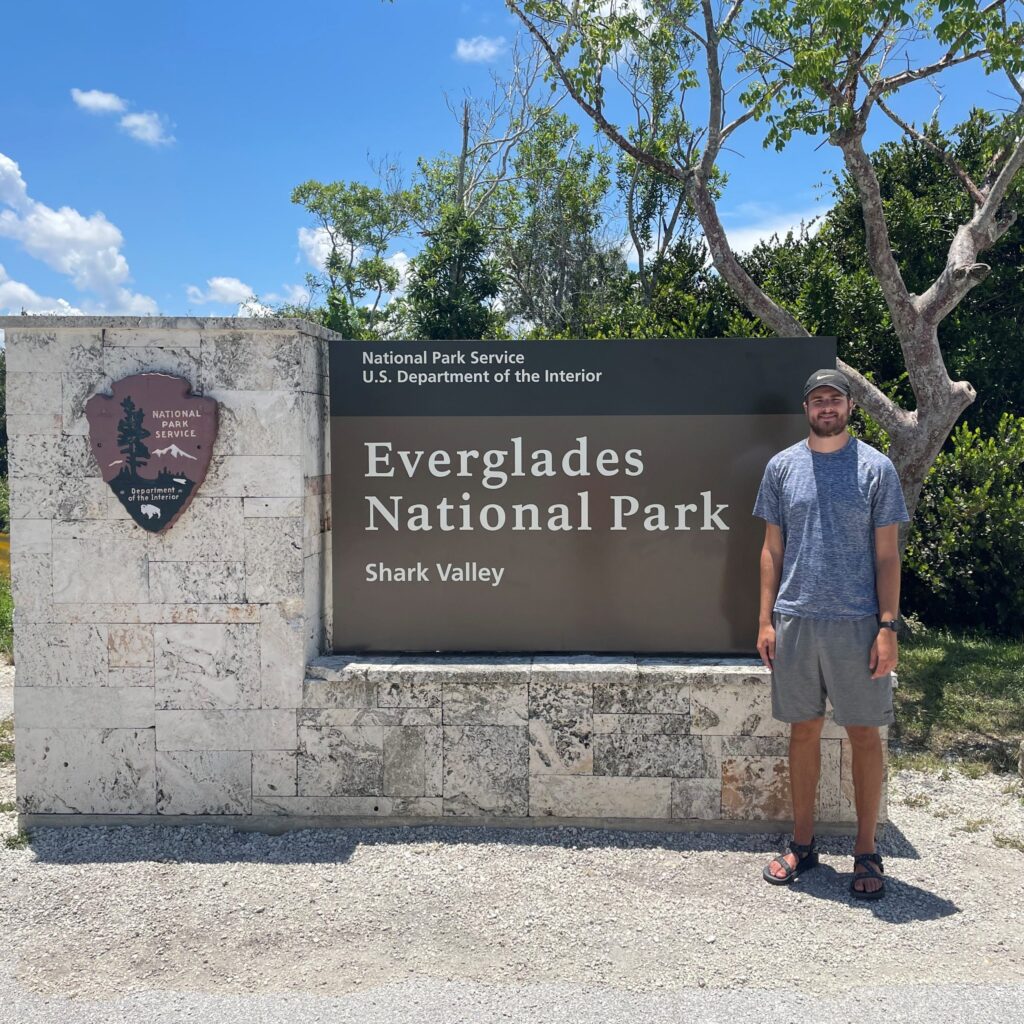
{"x":153,"y":441}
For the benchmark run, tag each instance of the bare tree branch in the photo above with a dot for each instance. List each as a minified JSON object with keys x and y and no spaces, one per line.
{"x":947,"y":158}
{"x":603,"y":124}
{"x":879,"y":249}
{"x":963,"y":270}
{"x":780,"y":320}
{"x":893,"y":420}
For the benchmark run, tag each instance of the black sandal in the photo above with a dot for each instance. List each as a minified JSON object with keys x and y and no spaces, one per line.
{"x":868,"y":859}
{"x":807,"y":858}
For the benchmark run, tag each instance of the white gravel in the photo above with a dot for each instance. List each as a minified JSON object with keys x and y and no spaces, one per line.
{"x":6,"y":691}
{"x":443,"y":923}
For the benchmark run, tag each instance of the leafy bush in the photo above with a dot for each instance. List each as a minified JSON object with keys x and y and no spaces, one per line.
{"x":5,"y":506}
{"x":964,"y":563}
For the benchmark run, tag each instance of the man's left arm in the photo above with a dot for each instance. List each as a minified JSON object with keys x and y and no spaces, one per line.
{"x":885,"y":650}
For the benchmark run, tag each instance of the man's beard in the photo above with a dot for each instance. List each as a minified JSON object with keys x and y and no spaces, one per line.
{"x":831,"y":429}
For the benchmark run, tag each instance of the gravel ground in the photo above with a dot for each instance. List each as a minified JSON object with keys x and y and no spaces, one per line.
{"x":441,"y":923}
{"x":6,"y":691}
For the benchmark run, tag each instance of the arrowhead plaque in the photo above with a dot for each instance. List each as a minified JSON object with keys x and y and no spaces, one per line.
{"x":153,"y":441}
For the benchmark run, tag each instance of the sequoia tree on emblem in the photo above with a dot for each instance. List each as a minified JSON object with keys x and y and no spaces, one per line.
{"x":153,"y":440}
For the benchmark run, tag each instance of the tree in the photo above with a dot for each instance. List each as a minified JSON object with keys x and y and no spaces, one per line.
{"x":131,"y":435}
{"x":452,"y":281}
{"x":359,"y":222}
{"x":557,"y":257}
{"x":820,"y":68}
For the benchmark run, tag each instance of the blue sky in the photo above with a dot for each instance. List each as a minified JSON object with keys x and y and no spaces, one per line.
{"x":147,"y":151}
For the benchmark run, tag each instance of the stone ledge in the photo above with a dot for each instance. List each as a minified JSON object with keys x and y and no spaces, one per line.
{"x":278,"y":824}
{"x":167,"y":323}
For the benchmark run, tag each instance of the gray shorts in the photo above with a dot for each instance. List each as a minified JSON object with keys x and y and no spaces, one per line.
{"x":815,"y":658}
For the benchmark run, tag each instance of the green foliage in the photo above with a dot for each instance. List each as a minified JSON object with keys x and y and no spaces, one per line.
{"x":453,"y":280}
{"x":802,"y":53}
{"x":359,"y":221}
{"x":556,"y":259}
{"x":964,"y":561}
{"x":5,"y":506}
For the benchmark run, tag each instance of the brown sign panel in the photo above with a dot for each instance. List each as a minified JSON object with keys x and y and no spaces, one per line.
{"x":153,"y":441}
{"x":597,"y":498}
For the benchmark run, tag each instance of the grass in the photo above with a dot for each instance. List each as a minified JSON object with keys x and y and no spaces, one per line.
{"x":960,"y":701}
{"x":18,"y":841}
{"x":6,"y":741}
{"x":973,"y":825}
{"x":917,"y":800}
{"x":1008,"y":842}
{"x":6,"y":615}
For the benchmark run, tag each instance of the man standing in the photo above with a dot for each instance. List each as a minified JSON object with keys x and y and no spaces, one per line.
{"x":830,"y":588}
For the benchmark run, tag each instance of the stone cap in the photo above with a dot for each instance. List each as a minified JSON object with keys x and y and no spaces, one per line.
{"x":170,"y":323}
{"x":339,"y":666}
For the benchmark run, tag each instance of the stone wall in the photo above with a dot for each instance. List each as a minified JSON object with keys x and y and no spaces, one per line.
{"x":593,"y":738}
{"x":184,"y":674}
{"x":153,"y":671}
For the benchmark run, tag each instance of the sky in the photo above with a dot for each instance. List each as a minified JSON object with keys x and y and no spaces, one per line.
{"x":148,"y":150}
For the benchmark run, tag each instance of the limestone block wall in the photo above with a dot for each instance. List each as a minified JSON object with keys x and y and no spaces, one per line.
{"x":155,"y":674}
{"x":575,"y":737}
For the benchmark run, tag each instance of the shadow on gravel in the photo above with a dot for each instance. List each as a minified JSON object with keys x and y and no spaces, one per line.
{"x":902,"y":904}
{"x":220,"y":844}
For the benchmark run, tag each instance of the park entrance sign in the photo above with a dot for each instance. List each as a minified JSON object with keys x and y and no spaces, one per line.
{"x":555,"y":496}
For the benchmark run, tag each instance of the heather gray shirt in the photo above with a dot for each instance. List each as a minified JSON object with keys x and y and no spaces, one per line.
{"x":827,"y":505}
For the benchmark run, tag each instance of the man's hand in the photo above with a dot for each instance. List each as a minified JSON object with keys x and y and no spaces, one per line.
{"x":884,"y":654}
{"x":766,"y":644}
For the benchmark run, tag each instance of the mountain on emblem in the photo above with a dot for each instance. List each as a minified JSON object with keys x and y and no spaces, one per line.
{"x":153,"y":440}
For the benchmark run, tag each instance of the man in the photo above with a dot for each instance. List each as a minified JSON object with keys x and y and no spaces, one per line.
{"x":830,"y":587}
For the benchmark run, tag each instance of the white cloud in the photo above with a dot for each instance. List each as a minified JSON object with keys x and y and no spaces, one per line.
{"x":220,"y":289}
{"x":85,"y":249}
{"x":97,"y":102}
{"x":751,"y":223}
{"x":315,"y":245}
{"x":16,"y":297}
{"x":252,"y":307}
{"x":400,"y":261}
{"x":12,"y":185}
{"x":147,"y":127}
{"x":296,"y":294}
{"x":479,"y":49}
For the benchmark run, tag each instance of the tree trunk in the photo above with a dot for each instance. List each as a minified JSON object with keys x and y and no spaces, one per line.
{"x":914,"y":445}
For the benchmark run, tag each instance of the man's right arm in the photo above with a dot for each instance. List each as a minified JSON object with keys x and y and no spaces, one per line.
{"x":771,"y":574}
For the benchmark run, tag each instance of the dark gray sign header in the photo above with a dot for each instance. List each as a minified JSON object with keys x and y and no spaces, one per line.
{"x":700,"y":377}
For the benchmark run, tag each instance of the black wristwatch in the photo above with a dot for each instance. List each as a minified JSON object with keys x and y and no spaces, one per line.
{"x":892,"y":624}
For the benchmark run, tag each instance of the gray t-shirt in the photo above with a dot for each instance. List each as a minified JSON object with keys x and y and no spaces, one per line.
{"x":827,"y":505}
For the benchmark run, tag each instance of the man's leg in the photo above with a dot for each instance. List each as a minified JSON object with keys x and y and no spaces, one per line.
{"x":804,"y":769}
{"x":868,"y":772}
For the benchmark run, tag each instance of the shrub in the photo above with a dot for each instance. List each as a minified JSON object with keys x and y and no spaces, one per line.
{"x":964,"y":562}
{"x":5,"y":506}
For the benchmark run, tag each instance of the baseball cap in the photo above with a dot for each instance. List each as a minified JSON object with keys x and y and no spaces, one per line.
{"x":827,"y":378}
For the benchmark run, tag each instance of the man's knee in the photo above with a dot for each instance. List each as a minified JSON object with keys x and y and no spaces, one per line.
{"x":864,"y":737}
{"x":805,"y":732}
